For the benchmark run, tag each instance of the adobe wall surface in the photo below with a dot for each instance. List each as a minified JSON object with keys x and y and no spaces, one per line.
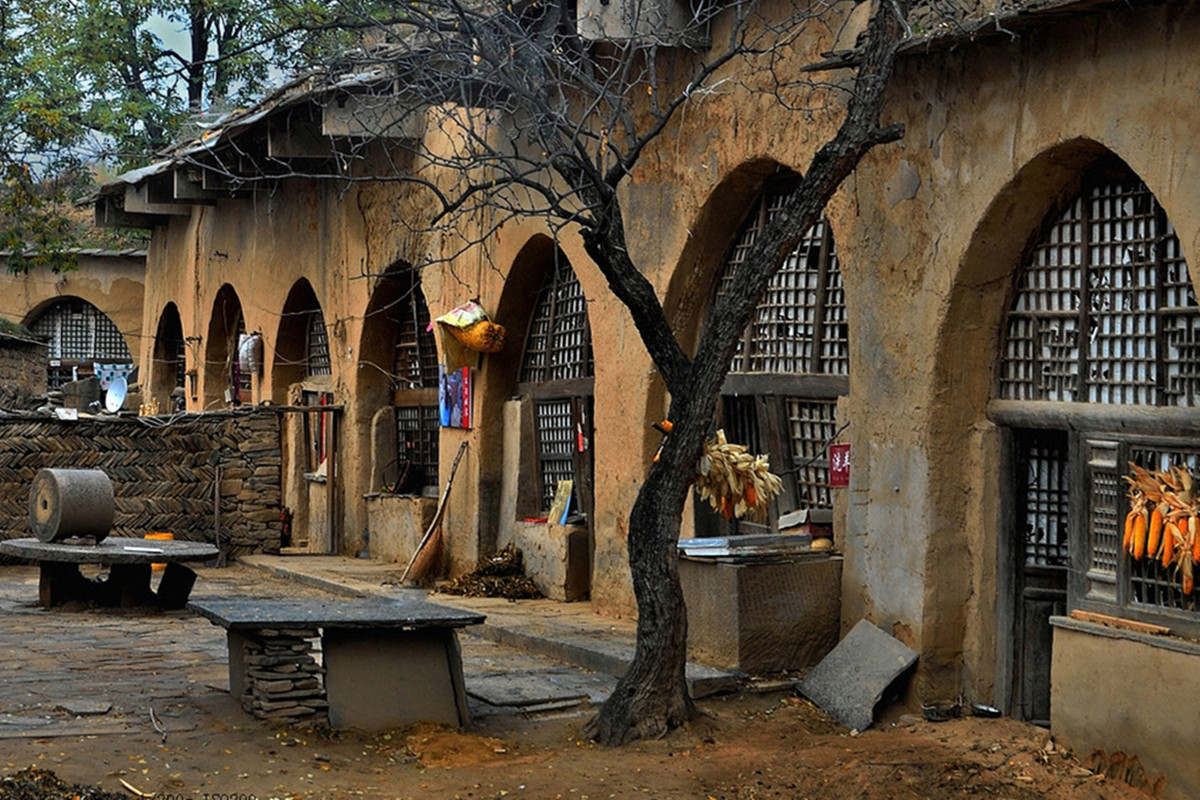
{"x":1148,"y":720}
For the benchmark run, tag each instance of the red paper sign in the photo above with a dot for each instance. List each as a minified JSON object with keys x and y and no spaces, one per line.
{"x":839,"y":465}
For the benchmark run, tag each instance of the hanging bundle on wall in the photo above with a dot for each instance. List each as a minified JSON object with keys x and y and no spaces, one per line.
{"x":466,"y":332}
{"x":250,"y":349}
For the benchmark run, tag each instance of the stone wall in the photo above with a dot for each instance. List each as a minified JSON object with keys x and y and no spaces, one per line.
{"x":22,"y":371}
{"x":163,"y":472}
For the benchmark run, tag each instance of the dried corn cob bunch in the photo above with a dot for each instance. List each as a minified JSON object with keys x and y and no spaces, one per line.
{"x":1164,"y":520}
{"x":734,"y":481}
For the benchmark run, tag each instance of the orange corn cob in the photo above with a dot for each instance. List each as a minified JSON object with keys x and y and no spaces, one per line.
{"x":1140,"y":524}
{"x":1193,"y":526}
{"x":1127,"y":540}
{"x":1154,"y":535}
{"x":1171,"y":537}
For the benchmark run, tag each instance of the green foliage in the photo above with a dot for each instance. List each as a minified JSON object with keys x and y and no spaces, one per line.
{"x":90,"y":85}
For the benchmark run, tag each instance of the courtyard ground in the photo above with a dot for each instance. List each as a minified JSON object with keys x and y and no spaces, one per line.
{"x":79,"y":685}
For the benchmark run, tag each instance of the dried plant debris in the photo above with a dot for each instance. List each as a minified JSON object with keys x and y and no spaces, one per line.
{"x":40,"y":784}
{"x":499,"y":575}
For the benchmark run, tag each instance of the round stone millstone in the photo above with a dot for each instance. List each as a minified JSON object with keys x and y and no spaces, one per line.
{"x":71,"y":503}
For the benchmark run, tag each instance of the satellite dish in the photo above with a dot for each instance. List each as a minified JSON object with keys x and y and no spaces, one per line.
{"x":114,"y":398}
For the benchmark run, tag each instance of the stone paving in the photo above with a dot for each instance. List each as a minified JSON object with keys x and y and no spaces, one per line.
{"x":77,"y":670}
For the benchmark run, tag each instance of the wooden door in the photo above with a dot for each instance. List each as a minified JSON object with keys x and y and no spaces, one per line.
{"x":1039,"y":550}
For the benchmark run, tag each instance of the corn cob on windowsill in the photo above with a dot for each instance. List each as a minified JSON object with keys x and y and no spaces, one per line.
{"x":1164,"y":521}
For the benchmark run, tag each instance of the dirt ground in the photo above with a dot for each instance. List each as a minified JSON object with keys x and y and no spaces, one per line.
{"x":750,"y":746}
{"x":747,"y":746}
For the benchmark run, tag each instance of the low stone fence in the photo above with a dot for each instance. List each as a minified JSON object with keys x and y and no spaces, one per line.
{"x":167,"y":473}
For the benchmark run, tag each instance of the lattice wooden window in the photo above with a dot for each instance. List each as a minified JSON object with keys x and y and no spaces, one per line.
{"x":1150,"y":584}
{"x":1105,"y":312}
{"x":316,"y":361}
{"x":79,"y":334}
{"x":811,"y":426}
{"x":557,"y":369}
{"x":1045,"y":491}
{"x":800,"y":324}
{"x":417,"y":432}
{"x":555,"y":422}
{"x":415,"y":365}
{"x":559,"y":344}
{"x":792,"y":361}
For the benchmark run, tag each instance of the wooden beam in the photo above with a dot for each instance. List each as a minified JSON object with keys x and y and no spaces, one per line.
{"x":289,"y":138}
{"x":108,"y":213}
{"x":138,"y":201}
{"x":374,"y":116}
{"x":188,"y":184}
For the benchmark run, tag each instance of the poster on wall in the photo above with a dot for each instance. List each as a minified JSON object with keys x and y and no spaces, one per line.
{"x":454,"y":397}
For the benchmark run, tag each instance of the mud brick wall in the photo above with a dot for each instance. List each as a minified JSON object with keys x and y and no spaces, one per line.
{"x":22,"y":371}
{"x":165,"y":473}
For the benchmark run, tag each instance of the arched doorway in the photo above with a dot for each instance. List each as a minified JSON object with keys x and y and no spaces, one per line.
{"x":791,"y":366}
{"x":168,"y":367}
{"x":225,"y":383}
{"x":1101,"y":328}
{"x":546,"y":388}
{"x":398,"y":371}
{"x":301,"y":343}
{"x":302,"y":383}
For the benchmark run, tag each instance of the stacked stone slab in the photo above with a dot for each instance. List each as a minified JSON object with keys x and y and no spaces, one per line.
{"x":283,"y":679}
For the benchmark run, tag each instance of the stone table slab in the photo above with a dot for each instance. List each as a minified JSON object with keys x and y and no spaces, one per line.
{"x":850,"y":681}
{"x":113,"y":550}
{"x":385,"y":664}
{"x":256,"y":614}
{"x":130,"y":561}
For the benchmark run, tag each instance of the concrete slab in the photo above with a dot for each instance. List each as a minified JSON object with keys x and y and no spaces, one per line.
{"x":849,"y":682}
{"x":516,"y":689}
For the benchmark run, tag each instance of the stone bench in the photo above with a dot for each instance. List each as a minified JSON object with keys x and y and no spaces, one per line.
{"x":130,"y":565}
{"x":383,"y":664}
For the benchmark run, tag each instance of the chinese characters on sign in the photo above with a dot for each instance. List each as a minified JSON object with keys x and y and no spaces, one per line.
{"x":839,"y":465}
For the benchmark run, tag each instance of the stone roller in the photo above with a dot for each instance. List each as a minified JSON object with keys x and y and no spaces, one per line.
{"x":71,"y":503}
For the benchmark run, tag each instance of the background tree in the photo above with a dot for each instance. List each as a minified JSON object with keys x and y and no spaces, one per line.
{"x":98,"y":85}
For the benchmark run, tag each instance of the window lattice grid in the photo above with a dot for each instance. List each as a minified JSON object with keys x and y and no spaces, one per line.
{"x":800,"y":325}
{"x":1105,"y":310}
{"x":415,"y":365}
{"x":79,"y":330}
{"x":1106,"y":524}
{"x":179,"y":348}
{"x":417,"y":431}
{"x":812,"y":425}
{"x":316,"y":360}
{"x":1150,"y":583}
{"x":559,"y":345}
{"x":1044,"y":502}
{"x":1181,"y":326}
{"x":1122,"y":290}
{"x":554,"y":422}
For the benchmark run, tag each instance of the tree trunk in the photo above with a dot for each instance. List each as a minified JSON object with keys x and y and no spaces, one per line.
{"x":652,"y":698}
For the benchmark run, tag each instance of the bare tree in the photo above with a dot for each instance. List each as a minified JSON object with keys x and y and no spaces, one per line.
{"x":548,"y":110}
